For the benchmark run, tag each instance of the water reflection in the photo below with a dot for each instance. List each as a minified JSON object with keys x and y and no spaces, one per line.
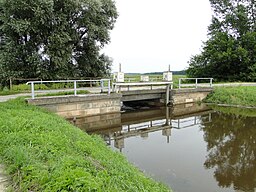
{"x":191,"y":147}
{"x":231,"y":146}
{"x":118,"y":127}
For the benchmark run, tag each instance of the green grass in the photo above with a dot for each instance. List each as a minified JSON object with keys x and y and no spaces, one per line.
{"x":235,"y":110}
{"x":242,"y":96}
{"x":43,"y":152}
{"x":8,"y":92}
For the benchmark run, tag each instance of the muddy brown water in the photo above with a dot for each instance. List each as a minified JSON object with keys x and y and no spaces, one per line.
{"x":198,"y":150}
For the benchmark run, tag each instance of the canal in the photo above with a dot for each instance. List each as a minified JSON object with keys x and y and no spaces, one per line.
{"x":191,"y":148}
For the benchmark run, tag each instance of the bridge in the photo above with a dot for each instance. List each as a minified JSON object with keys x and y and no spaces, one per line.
{"x":108,"y":99}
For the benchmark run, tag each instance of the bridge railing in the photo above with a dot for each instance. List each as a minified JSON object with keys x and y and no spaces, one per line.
{"x":134,"y":79}
{"x":196,"y":83}
{"x":102,"y":83}
{"x":117,"y":87}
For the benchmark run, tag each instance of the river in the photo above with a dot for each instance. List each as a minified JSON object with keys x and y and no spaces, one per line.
{"x":191,"y":148}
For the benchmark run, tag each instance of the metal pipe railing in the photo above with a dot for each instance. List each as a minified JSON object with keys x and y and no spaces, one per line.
{"x":101,"y":81}
{"x":196,"y":81}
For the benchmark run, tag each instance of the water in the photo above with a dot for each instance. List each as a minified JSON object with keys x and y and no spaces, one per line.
{"x":190,"y":148}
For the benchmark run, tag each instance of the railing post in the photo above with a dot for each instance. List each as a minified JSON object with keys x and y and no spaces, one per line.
{"x":179,"y":83}
{"x":90,"y":82}
{"x":211,"y":82}
{"x":101,"y":86}
{"x":167,"y":95}
{"x":113,"y":87}
{"x":32,"y":90}
{"x":196,"y":82}
{"x":10,"y":83}
{"x":75,"y":90}
{"x":109,"y":88}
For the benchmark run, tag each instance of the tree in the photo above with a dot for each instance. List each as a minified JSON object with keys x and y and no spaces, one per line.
{"x":229,"y":53}
{"x":55,"y":38}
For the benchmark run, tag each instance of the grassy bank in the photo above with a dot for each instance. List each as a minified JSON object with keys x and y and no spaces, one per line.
{"x":241,"y":96}
{"x":43,"y":152}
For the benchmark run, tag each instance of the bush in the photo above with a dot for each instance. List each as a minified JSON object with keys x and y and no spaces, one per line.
{"x":61,"y":85}
{"x":21,"y":87}
{"x":25,"y":87}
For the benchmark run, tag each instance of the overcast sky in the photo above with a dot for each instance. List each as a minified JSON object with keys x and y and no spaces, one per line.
{"x":150,"y":35}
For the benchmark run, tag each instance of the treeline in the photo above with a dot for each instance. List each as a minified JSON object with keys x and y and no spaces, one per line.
{"x":230,"y":52}
{"x":54,"y":39}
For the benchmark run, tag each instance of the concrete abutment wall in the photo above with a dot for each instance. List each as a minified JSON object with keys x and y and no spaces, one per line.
{"x":183,"y":96}
{"x":80,"y":106}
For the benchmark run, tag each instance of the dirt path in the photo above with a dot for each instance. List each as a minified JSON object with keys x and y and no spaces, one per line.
{"x":8,"y":97}
{"x":3,"y":179}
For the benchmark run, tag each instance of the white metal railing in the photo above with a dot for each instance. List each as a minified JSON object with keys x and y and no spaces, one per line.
{"x":196,"y":84}
{"x":117,"y":86}
{"x":101,"y":81}
{"x":133,"y":79}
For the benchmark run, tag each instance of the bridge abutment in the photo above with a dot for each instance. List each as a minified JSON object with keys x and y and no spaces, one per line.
{"x":183,"y":96}
{"x":80,"y":106}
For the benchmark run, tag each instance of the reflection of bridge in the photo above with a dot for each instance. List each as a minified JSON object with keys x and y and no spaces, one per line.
{"x":142,"y":123}
{"x":164,"y":125}
{"x":187,"y":122}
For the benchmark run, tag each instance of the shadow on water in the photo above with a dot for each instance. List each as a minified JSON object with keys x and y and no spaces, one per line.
{"x":191,"y":148}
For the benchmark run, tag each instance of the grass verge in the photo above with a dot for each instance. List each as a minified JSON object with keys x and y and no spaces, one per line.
{"x":8,"y":92}
{"x":43,"y":152}
{"x":241,"y":96}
